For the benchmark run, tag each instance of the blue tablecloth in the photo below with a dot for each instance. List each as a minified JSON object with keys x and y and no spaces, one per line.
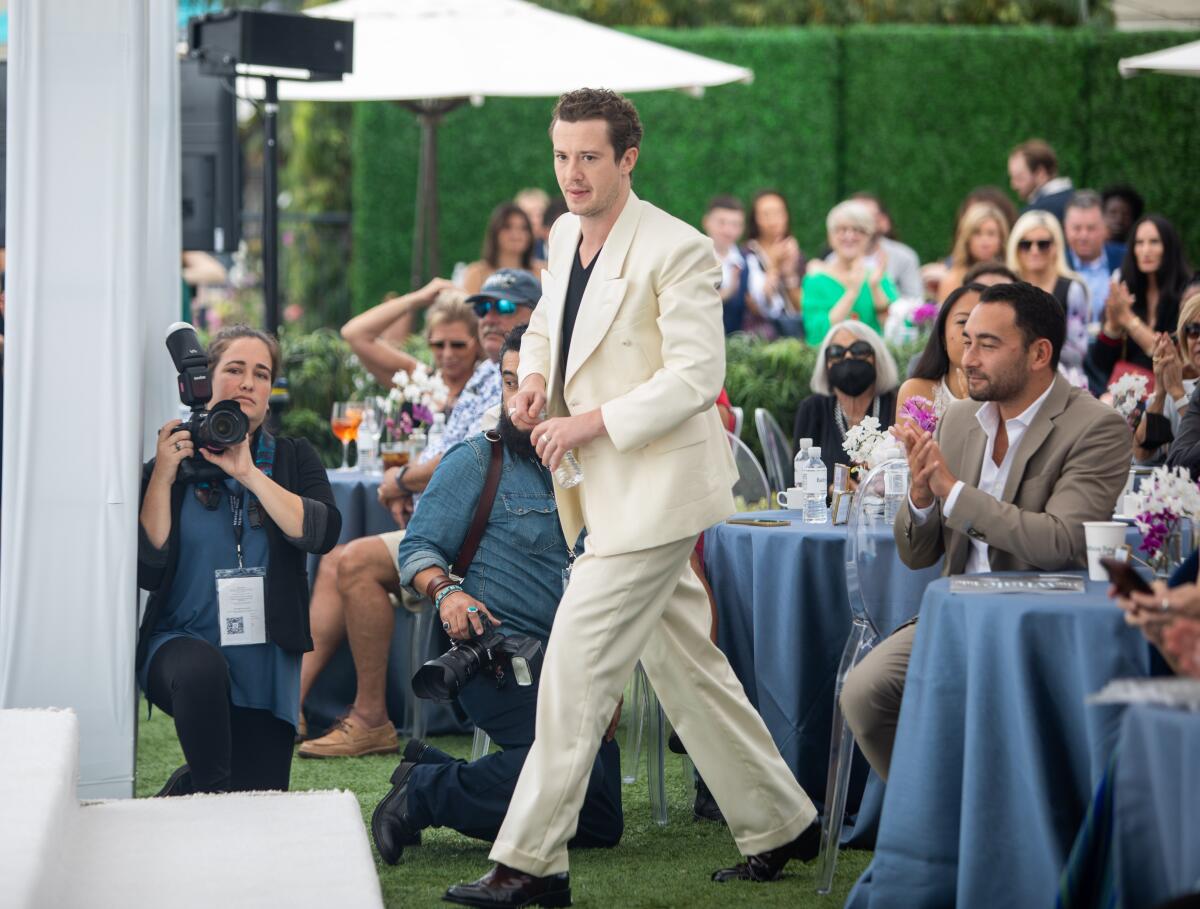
{"x":996,"y":754}
{"x":783,"y":621}
{"x":362,"y":515}
{"x":1156,"y":798}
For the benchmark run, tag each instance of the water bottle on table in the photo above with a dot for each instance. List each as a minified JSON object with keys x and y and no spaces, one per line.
{"x":814,"y":477}
{"x":801,"y":461}
{"x":895,"y":486}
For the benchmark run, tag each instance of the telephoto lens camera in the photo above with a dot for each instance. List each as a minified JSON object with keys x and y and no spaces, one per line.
{"x":491,"y":653}
{"x":216,"y":429}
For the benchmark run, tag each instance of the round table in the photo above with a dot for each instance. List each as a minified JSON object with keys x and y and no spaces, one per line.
{"x":783,"y":620}
{"x":996,"y":754}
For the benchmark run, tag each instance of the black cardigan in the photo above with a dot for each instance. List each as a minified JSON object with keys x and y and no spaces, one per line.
{"x":298,"y":469}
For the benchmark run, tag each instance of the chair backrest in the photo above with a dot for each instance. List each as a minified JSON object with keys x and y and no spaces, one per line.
{"x":866,"y":577}
{"x":751,"y":492}
{"x":776,"y":449}
{"x":739,"y":420}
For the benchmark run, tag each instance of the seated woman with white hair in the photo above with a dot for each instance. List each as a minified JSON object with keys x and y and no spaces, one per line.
{"x":844,"y":287}
{"x":855,"y":376}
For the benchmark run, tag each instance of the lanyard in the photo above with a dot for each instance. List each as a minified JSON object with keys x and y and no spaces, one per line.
{"x":236,"y":506}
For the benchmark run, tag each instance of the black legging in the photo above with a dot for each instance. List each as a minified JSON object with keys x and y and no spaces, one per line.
{"x":227,"y":748}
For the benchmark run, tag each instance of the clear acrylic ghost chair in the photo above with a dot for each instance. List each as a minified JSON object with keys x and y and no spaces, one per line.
{"x":866,"y":593}
{"x":643,"y":707}
{"x":418,"y":644}
{"x":751,"y":492}
{"x":777,"y":450}
{"x":644,"y":710}
{"x":739,"y":420}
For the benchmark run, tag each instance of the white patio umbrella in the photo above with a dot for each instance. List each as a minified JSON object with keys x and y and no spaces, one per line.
{"x":435,"y":55}
{"x":1182,"y":60}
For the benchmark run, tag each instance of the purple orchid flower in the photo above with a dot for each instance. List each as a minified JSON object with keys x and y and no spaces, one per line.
{"x":920,"y":411}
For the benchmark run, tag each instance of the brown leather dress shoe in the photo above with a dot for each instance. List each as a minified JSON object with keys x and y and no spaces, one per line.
{"x":768,"y":866}
{"x":504,"y":886}
{"x":350,"y":737}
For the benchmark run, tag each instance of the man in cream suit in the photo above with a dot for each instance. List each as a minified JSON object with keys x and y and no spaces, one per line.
{"x":626,"y":354}
{"x":1005,"y":485}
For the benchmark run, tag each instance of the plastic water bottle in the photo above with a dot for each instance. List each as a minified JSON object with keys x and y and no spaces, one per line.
{"x":895,"y":486}
{"x":800,"y":462}
{"x":368,"y":440}
{"x":436,"y":432}
{"x":569,"y":473}
{"x":814,"y":488}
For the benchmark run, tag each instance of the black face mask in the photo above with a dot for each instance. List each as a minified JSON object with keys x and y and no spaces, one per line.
{"x":852,"y":377}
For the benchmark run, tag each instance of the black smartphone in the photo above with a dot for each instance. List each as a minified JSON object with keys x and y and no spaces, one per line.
{"x":1124,"y":578}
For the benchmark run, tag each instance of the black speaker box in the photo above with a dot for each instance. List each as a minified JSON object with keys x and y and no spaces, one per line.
{"x":210,"y":165}
{"x":286,"y":40}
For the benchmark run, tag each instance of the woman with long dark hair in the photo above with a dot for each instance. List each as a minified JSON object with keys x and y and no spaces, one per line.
{"x":507,"y":243}
{"x":1144,"y":300}
{"x":938,"y":376}
{"x":774,"y":263}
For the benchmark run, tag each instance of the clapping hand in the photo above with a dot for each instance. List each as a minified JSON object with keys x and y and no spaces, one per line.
{"x":1168,"y":368}
{"x":926,"y":465}
{"x":1118,"y":309}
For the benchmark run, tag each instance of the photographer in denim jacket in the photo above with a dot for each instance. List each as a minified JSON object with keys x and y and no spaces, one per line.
{"x":515,"y":581}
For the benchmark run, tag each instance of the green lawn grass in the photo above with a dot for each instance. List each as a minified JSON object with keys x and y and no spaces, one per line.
{"x":652,"y":867}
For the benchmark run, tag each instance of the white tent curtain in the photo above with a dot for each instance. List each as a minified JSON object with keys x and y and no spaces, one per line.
{"x":92,"y":281}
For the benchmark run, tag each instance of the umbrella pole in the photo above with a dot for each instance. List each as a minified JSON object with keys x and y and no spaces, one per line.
{"x":426,"y":253}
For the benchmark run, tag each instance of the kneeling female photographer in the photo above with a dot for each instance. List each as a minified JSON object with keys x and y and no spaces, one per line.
{"x":224,"y":561}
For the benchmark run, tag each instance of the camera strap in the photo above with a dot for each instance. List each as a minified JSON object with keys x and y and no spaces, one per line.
{"x":483,"y":508}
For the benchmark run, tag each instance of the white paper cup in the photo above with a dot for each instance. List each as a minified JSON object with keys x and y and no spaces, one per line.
{"x":792,"y":499}
{"x":1131,"y":504}
{"x":1105,"y":539}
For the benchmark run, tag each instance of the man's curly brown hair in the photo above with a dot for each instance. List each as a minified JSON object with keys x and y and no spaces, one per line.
{"x":624,"y":125}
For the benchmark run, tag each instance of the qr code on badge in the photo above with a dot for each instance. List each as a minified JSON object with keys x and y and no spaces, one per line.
{"x":235,"y":624}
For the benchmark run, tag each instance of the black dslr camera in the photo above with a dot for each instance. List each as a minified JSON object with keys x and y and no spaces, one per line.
{"x":216,"y":429}
{"x":442,"y":678}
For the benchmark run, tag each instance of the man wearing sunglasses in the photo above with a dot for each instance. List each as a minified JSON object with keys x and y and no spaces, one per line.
{"x":626,"y":352}
{"x":368,"y":575}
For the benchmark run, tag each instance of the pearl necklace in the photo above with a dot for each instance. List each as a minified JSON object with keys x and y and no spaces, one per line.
{"x":843,"y":424}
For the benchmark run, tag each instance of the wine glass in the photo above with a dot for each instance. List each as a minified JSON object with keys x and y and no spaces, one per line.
{"x":344,"y":422}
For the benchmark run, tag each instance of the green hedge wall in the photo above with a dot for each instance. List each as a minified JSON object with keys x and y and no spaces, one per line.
{"x":919,"y":113}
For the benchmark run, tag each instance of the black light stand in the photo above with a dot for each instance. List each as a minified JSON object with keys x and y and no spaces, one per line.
{"x":270,"y":228}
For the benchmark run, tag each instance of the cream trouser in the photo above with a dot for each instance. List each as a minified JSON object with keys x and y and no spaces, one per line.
{"x":645,"y":605}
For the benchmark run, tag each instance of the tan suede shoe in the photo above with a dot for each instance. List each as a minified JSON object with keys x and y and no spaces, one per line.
{"x":350,"y":738}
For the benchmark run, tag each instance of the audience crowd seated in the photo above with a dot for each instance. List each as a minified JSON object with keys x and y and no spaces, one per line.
{"x":724,"y":222}
{"x":855,"y":376}
{"x":1143,"y":302}
{"x":1176,"y":368}
{"x":900,"y":261}
{"x":1089,"y":253}
{"x":1037,"y":254}
{"x":507,"y":243}
{"x":235,"y":705}
{"x":981,"y":236}
{"x":983,"y":500}
{"x":938,"y":375}
{"x":774,"y":263}
{"x":360,"y":584}
{"x":514,"y":582}
{"x":847,"y":286}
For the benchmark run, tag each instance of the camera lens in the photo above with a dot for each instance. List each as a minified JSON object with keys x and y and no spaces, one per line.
{"x":226,"y":425}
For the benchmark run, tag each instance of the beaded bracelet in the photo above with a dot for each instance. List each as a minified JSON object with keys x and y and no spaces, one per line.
{"x":445,"y":592}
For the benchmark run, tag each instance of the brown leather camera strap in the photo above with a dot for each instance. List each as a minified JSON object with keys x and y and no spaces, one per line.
{"x":483,"y":509}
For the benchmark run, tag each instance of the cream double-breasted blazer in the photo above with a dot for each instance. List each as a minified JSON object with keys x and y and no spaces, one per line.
{"x":648,"y":349}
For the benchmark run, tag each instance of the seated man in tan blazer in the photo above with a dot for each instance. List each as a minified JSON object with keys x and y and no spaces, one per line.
{"x":1005,"y":484}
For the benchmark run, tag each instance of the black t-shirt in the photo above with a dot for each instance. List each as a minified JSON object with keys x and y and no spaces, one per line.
{"x":575,"y":288}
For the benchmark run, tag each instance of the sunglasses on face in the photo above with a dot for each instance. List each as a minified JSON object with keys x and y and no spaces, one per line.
{"x":1192,"y":330}
{"x":502,"y":307}
{"x":1042,"y":245}
{"x":859,"y":350}
{"x":453,"y":345}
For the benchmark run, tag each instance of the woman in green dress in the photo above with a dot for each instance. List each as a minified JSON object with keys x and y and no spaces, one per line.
{"x":847,"y":285}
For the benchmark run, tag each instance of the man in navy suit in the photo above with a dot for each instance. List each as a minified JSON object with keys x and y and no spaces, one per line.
{"x":1087,"y":251}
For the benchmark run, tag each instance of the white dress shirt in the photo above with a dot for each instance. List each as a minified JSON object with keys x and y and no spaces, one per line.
{"x":992,"y":476}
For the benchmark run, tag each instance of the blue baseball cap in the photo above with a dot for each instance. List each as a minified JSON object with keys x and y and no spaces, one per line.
{"x":514,"y":284}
